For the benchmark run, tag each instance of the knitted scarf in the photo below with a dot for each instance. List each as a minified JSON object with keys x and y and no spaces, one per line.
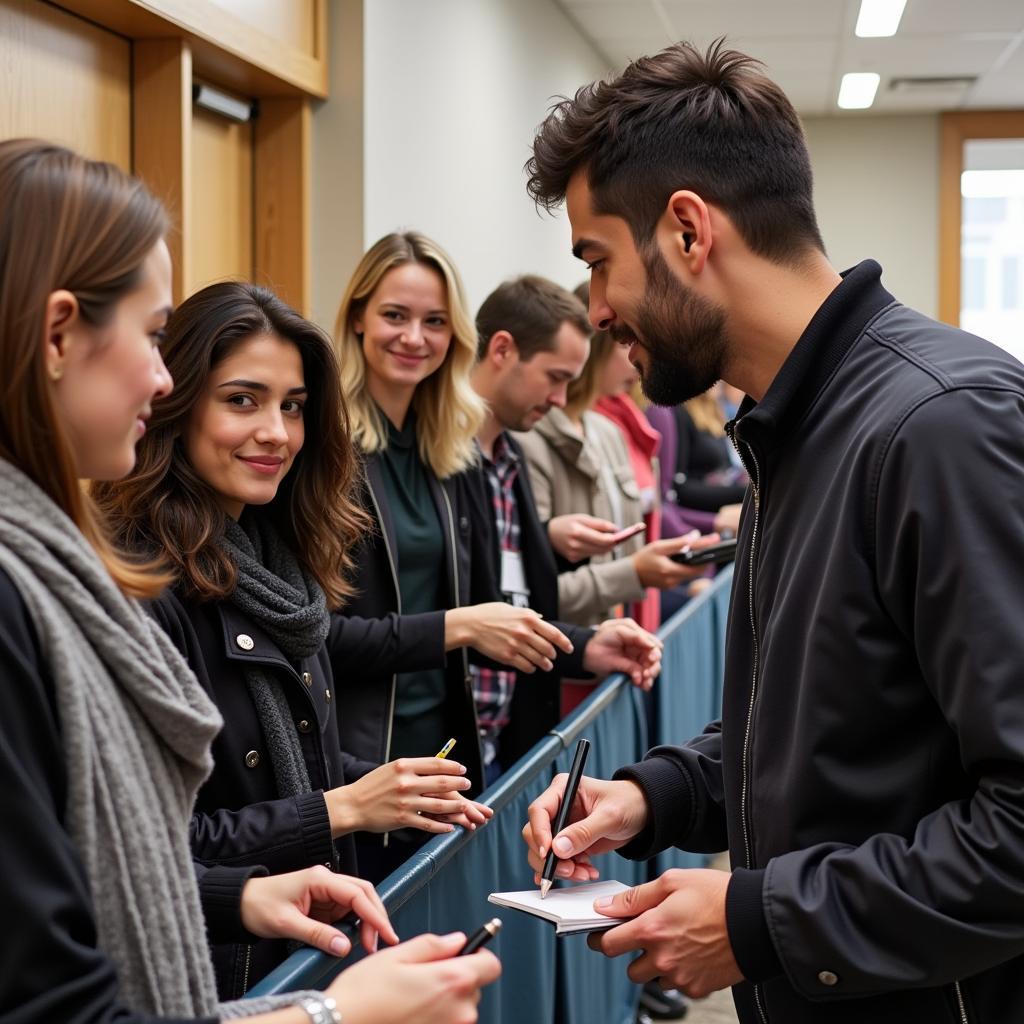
{"x":289,"y":605}
{"x":136,"y":730}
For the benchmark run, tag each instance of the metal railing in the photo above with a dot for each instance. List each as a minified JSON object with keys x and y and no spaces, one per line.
{"x":444,"y":886}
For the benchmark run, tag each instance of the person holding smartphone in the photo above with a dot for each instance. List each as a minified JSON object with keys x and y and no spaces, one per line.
{"x":525,"y":361}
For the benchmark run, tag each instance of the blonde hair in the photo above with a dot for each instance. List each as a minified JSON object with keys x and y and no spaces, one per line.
{"x":65,"y":223}
{"x":707,"y":413}
{"x":448,"y":411}
{"x":581,"y":393}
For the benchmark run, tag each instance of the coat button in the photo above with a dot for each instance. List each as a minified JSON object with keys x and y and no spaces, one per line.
{"x":252,"y":759}
{"x":244,"y":641}
{"x":828,"y":978}
{"x":327,"y":696}
{"x":303,"y":725}
{"x":307,"y":678}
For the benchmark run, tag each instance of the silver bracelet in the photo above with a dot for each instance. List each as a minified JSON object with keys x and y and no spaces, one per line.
{"x":321,"y":1010}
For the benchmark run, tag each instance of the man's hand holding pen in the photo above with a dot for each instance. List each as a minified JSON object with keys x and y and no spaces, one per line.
{"x":678,"y":920}
{"x":604,"y":816}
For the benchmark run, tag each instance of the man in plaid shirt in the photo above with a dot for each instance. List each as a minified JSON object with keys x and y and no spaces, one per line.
{"x":534,"y":338}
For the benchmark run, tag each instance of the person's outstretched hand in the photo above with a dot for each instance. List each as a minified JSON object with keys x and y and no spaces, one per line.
{"x":422,"y":981}
{"x":304,"y":905}
{"x":576,"y":536}
{"x":620,"y":645}
{"x":604,"y":816}
{"x":410,"y":792}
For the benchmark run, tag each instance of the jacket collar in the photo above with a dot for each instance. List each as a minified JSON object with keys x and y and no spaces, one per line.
{"x":565,"y":438}
{"x":840,"y":320}
{"x":246,"y":642}
{"x":623,"y":411}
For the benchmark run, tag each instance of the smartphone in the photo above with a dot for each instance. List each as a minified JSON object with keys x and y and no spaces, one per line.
{"x":629,"y":531}
{"x":714,"y":554}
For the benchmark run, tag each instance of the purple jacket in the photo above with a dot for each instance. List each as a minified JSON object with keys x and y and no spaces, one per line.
{"x":675,"y":520}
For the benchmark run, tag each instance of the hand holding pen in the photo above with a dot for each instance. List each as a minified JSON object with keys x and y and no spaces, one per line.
{"x":603,"y":817}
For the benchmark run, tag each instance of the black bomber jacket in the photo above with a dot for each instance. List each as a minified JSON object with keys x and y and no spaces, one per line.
{"x":867,"y":775}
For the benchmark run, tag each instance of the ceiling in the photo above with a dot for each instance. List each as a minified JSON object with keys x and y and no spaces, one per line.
{"x":808,"y":45}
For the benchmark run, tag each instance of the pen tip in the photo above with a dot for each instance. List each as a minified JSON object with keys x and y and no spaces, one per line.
{"x":545,"y":886}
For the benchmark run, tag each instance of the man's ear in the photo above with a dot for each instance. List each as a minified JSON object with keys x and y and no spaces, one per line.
{"x":687,"y":222}
{"x":502,"y":348}
{"x":61,"y":316}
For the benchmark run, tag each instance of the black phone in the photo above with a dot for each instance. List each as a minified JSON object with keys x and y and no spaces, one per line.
{"x":715,"y":554}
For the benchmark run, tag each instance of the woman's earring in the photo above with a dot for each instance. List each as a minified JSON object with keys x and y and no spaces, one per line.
{"x":56,"y":373}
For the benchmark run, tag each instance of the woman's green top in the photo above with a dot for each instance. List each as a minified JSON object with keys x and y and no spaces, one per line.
{"x":419,"y":726}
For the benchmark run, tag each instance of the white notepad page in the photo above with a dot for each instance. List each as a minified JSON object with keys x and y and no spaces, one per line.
{"x":571,"y":909}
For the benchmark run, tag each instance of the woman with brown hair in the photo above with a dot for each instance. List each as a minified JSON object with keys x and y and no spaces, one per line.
{"x":105,"y":735}
{"x":241,"y":491}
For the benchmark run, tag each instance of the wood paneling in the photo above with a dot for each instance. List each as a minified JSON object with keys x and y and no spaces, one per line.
{"x":282,"y":199}
{"x":226,"y":47}
{"x":162,"y":118}
{"x":220,"y":242}
{"x":292,"y":22}
{"x":957,"y":128}
{"x":64,"y":80}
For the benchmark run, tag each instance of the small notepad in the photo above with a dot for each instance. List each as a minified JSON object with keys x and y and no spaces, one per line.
{"x":571,"y":909}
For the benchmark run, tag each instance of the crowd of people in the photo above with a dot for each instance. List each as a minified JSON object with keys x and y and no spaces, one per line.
{"x":254,"y":578}
{"x":300,"y":565}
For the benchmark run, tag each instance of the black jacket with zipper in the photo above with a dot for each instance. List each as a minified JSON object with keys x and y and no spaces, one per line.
{"x":239,"y":818}
{"x":868,"y":771}
{"x":372,"y":640}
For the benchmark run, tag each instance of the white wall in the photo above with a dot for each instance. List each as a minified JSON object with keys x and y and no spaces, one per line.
{"x":454,"y":90}
{"x":876,"y":189}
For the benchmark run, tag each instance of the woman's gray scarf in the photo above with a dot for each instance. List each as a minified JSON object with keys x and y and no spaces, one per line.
{"x":136,"y":730}
{"x":290,"y":606}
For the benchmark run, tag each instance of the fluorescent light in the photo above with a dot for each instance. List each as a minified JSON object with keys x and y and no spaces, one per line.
{"x":879,"y":17}
{"x":857,"y":90}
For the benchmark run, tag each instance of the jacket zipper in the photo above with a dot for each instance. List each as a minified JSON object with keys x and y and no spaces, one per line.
{"x":245,"y":972}
{"x":467,"y":679}
{"x":398,"y":603}
{"x":960,"y":1003}
{"x":755,"y":482}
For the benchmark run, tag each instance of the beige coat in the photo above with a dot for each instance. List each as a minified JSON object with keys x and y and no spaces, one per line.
{"x":572,"y":472}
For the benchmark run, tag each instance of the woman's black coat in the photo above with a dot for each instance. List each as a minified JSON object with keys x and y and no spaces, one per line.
{"x":373,"y":642}
{"x":239,"y":818}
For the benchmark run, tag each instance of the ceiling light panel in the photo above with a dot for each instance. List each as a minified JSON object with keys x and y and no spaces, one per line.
{"x":857,"y":90}
{"x":879,"y":17}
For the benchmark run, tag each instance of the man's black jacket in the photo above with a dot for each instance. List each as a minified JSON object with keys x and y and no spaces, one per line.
{"x":868,"y":771}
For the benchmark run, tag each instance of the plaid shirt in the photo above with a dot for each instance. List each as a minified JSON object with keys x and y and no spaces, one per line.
{"x":493,"y":688}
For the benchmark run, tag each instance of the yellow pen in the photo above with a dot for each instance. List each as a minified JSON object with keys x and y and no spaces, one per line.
{"x":446,"y":749}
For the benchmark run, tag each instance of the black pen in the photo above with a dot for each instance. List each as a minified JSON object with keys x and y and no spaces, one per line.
{"x":481,"y":936}
{"x":579,"y":759}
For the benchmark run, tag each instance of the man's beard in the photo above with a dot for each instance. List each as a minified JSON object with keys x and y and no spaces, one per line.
{"x":683,"y":334}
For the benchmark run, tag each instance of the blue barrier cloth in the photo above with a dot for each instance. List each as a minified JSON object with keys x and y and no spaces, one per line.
{"x":444,"y":886}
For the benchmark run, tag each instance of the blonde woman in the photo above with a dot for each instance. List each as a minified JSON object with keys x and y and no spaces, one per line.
{"x":406,"y":346}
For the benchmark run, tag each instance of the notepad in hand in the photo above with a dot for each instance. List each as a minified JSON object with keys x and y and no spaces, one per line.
{"x":571,"y":909}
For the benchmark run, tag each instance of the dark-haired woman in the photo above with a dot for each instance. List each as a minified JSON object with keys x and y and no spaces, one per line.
{"x":241,"y":489}
{"x":104,"y":733}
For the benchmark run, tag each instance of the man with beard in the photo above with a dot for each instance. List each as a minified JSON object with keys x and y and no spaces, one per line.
{"x":534,"y":339}
{"x":867,"y":774}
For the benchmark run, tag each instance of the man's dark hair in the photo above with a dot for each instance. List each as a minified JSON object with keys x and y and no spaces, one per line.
{"x":531,"y":309}
{"x":712,"y":123}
